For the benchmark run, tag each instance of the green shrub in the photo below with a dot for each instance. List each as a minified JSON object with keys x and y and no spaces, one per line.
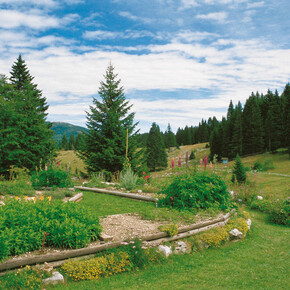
{"x":16,"y":187}
{"x":198,"y":191}
{"x":281,"y":214}
{"x":267,"y":165}
{"x":23,"y":224}
{"x":97,"y":179}
{"x":128,"y":179}
{"x":192,"y":155}
{"x":51,"y":178}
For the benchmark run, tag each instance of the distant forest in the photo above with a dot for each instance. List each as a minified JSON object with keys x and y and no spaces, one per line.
{"x":263,"y":124}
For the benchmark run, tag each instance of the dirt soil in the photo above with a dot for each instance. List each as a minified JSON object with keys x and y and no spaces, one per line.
{"x":128,"y":226}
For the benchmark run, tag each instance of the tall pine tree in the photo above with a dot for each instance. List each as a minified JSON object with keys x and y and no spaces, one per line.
{"x":33,"y":145}
{"x":156,"y":154}
{"x":108,"y":121}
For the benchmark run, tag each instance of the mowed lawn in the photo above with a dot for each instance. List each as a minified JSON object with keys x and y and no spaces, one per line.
{"x":261,"y":261}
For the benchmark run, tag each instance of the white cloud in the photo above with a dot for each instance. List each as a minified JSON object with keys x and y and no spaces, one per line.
{"x":133,"y":17}
{"x":216,"y":16}
{"x":42,"y":3}
{"x":255,"y":4}
{"x":128,"y":34}
{"x":190,"y":36}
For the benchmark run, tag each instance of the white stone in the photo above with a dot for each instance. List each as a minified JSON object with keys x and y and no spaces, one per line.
{"x":56,"y":278}
{"x":165,"y":250}
{"x":180,"y":247}
{"x":259,"y":197}
{"x":139,"y":190}
{"x":249,"y":223}
{"x":235,"y":234}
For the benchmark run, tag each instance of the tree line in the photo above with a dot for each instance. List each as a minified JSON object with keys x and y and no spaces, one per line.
{"x":73,"y":143}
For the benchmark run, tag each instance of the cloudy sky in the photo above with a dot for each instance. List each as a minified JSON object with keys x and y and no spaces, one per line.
{"x":179,"y":60}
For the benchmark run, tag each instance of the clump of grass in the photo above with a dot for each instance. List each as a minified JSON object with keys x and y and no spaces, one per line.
{"x":128,"y":179}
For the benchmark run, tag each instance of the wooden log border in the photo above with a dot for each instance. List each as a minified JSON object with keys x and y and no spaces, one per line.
{"x":59,"y":258}
{"x":122,"y":194}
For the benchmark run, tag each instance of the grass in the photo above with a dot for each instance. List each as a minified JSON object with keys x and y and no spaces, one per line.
{"x":261,"y":261}
{"x":108,"y":205}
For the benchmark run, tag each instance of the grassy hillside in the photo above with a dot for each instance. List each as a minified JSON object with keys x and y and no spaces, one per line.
{"x":61,"y":128}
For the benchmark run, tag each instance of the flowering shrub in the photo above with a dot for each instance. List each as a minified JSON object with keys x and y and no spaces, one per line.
{"x":132,"y":255}
{"x":23,"y":224}
{"x":198,"y":190}
{"x":214,"y":237}
{"x":94,"y":269}
{"x":26,"y":278}
{"x":238,"y":223}
{"x":171,"y":230}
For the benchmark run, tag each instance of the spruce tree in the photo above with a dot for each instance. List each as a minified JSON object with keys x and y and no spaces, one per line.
{"x":156,"y":154}
{"x":286,"y":115}
{"x":64,"y":143}
{"x":252,"y":127}
{"x":273,"y":122}
{"x":169,"y":138}
{"x":33,"y":144}
{"x":108,"y":121}
{"x":240,"y":171}
{"x":71,"y":142}
{"x":237,"y":137}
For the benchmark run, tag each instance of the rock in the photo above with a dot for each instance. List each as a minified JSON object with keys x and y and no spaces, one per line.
{"x":259,"y":197}
{"x":249,"y":223}
{"x":46,"y":267}
{"x":139,"y":190}
{"x":71,"y":189}
{"x":165,"y":250}
{"x":236,"y":234}
{"x":2,"y":203}
{"x":181,"y":247}
{"x":105,"y":238}
{"x":56,"y":278}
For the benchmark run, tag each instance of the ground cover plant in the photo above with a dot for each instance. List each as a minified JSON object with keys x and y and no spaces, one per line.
{"x":23,"y":224}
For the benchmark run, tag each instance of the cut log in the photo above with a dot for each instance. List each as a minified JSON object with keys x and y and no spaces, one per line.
{"x":76,"y":198}
{"x":122,"y":194}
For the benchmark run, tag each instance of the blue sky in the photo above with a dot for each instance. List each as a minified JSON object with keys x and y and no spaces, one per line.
{"x":179,"y":60}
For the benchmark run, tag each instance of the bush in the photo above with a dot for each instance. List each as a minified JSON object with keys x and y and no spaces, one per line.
{"x":51,"y":178}
{"x":199,"y":190}
{"x":128,"y":179}
{"x":23,"y":224}
{"x":214,"y":238}
{"x":192,"y":155}
{"x":16,"y":188}
{"x":267,"y":165}
{"x":281,"y":215}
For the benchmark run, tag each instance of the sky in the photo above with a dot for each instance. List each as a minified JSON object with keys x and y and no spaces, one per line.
{"x":178,"y":60}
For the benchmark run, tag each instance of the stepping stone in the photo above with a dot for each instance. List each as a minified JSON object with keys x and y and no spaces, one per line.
{"x":105,"y":238}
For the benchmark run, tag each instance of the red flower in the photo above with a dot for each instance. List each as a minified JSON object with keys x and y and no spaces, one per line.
{"x":144,"y":172}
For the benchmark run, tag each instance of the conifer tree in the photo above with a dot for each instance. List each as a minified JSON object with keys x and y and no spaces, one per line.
{"x":286,"y":114}
{"x":237,"y":137}
{"x":64,"y":143}
{"x":273,"y":122}
{"x":108,"y":121}
{"x":252,"y":127}
{"x":71,"y":142}
{"x":33,"y":144}
{"x":157,"y":157}
{"x":169,"y":138}
{"x":240,"y":171}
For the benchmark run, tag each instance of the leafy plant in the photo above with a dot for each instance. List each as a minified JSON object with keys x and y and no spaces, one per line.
{"x":52,"y":177}
{"x":128,"y":179}
{"x":199,"y":190}
{"x":23,"y":224}
{"x":263,"y":166}
{"x":281,"y":215}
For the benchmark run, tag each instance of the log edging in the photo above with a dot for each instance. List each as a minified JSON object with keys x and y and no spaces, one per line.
{"x":158,"y":238}
{"x":122,"y":194}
